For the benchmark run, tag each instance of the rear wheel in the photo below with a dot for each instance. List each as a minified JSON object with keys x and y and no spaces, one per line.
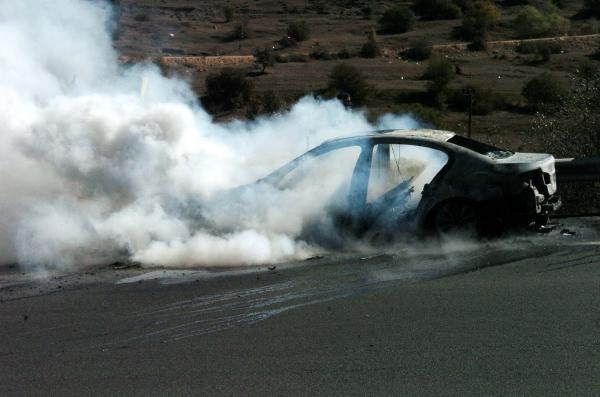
{"x":456,"y":217}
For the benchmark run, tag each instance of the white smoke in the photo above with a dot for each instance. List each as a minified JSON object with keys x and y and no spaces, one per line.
{"x":93,"y":173}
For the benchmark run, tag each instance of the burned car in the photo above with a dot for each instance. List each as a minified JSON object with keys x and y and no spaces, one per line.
{"x":421,"y":180}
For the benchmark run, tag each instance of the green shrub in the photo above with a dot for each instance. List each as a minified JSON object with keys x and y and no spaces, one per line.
{"x":228,"y":89}
{"x":544,"y":89}
{"x":298,"y":30}
{"x":370,"y":49}
{"x":437,"y":9}
{"x":419,"y":50}
{"x":531,"y":22}
{"x":398,"y":19}
{"x":349,"y":79}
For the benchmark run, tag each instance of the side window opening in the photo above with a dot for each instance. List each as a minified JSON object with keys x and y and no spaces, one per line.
{"x":399,"y":173}
{"x":324,"y":178}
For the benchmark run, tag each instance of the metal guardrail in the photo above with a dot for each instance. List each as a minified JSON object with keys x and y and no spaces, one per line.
{"x":582,"y":169}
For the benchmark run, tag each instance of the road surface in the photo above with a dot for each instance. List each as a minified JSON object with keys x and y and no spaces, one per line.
{"x":515,"y":316}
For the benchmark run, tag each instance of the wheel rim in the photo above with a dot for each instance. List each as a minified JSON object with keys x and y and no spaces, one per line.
{"x":456,"y":216}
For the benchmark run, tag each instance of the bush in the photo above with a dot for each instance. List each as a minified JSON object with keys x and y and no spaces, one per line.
{"x":437,"y":9}
{"x":349,"y":79}
{"x":440,"y":73}
{"x":366,"y":11}
{"x":531,"y":22}
{"x":542,"y":50}
{"x":370,"y":49}
{"x":264,"y":57}
{"x":419,"y":50}
{"x":398,"y":19}
{"x":228,"y":89}
{"x":299,"y":30}
{"x":477,"y":21}
{"x":543,"y":90}
{"x":268,"y":103}
{"x":241,"y":31}
{"x":229,"y":12}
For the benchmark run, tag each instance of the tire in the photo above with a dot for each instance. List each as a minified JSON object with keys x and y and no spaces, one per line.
{"x":457,"y":217}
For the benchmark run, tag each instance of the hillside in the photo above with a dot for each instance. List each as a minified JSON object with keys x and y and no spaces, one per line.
{"x":175,"y":28}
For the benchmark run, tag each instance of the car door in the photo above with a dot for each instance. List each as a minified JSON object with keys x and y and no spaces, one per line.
{"x":329,"y":182}
{"x":398,"y":174}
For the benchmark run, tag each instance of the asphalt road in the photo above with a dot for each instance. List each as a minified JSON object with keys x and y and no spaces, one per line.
{"x":515,"y":316}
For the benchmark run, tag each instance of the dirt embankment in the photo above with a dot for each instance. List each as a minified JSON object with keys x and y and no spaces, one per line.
{"x":581,"y":42}
{"x":199,"y":63}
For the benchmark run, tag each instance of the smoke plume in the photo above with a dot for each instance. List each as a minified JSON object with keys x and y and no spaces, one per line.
{"x":94,"y":172}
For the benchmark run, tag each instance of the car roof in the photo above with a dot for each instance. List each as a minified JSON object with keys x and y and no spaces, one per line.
{"x":421,"y":133}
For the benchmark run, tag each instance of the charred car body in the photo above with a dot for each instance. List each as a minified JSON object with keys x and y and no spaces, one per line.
{"x":422,"y":180}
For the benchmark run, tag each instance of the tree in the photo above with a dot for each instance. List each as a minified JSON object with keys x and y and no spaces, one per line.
{"x":370,"y":49}
{"x":440,"y":73}
{"x":298,"y":30}
{"x":419,"y":50}
{"x":264,"y":57}
{"x":531,"y":22}
{"x":477,"y":21}
{"x":228,"y":89}
{"x":437,"y":9}
{"x":544,"y":89}
{"x":346,"y":78}
{"x":399,"y":19}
